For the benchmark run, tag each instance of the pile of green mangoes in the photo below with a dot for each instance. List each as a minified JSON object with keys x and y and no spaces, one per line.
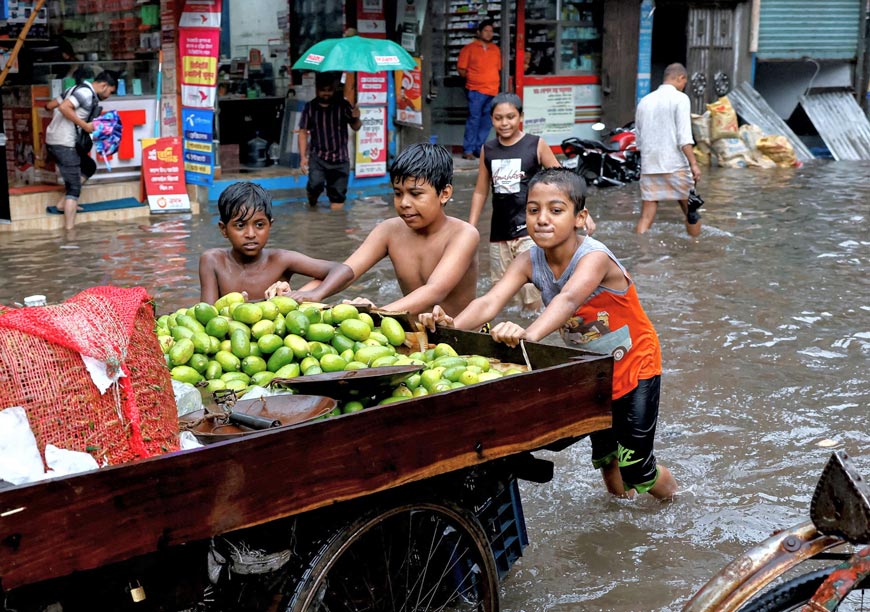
{"x":234,"y":344}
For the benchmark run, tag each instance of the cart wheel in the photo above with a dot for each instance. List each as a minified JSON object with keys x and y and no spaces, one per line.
{"x":415,"y":557}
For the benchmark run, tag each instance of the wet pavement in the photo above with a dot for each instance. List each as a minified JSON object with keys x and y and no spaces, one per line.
{"x":765,"y":329}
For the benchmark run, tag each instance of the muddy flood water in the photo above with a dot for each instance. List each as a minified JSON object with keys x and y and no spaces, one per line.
{"x":765,"y":330}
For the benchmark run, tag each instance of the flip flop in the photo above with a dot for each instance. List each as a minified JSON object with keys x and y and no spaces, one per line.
{"x":78,"y":208}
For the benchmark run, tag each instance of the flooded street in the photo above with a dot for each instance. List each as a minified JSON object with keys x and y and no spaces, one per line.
{"x":765,"y":331}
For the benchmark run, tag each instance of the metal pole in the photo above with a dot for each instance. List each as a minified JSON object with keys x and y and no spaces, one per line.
{"x":14,"y":55}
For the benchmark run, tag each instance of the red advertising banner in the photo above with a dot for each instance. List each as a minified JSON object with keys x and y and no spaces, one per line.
{"x":409,"y":100}
{"x":163,"y":175}
{"x":201,"y":14}
{"x":200,"y":49}
{"x":371,"y":88}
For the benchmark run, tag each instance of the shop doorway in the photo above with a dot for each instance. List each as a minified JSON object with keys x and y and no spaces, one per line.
{"x":711,"y":34}
{"x":669,"y":42}
{"x":446,"y":32}
{"x":701,"y":38}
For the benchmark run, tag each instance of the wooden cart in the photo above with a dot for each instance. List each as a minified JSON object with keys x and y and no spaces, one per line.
{"x":376,"y":510}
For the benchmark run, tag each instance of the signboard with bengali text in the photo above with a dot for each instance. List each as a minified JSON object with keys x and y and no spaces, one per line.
{"x":371,"y":88}
{"x":371,"y":142}
{"x":163,"y":175}
{"x":200,"y":49}
{"x":198,"y":145}
{"x":556,"y":112}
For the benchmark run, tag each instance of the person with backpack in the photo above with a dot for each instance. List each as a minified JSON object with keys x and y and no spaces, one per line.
{"x":68,"y":136}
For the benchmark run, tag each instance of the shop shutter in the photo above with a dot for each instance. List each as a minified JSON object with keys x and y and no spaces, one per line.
{"x":793,"y":29}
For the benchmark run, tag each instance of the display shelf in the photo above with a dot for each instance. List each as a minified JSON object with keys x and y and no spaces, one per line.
{"x":145,"y":70}
{"x":563,"y":37}
{"x":109,"y":29}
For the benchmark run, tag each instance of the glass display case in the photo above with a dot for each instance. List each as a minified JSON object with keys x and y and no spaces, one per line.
{"x":140,"y":76}
{"x":563,"y":37}
{"x":107,"y":29}
{"x":460,"y":26}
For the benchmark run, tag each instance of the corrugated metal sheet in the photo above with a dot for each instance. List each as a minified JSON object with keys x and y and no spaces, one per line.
{"x":840,"y":122}
{"x":820,"y":29}
{"x":753,"y":108}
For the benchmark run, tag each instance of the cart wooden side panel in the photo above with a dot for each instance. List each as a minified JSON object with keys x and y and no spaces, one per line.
{"x":57,"y":527}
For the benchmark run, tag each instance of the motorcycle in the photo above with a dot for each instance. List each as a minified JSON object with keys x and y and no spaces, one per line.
{"x":611,"y":163}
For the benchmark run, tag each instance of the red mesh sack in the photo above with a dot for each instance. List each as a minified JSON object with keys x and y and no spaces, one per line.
{"x":41,"y":369}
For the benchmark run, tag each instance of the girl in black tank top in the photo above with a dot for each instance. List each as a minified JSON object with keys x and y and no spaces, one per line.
{"x":507,"y":163}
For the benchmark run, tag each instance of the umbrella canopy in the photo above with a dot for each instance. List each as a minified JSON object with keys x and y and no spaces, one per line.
{"x":355,"y":54}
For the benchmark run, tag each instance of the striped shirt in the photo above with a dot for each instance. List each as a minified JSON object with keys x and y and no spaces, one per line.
{"x":328,"y":128}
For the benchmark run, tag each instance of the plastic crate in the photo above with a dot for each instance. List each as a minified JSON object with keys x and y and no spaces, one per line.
{"x":502,"y":518}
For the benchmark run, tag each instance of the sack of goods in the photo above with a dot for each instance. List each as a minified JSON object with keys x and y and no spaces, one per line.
{"x":723,"y":119}
{"x":779,"y":149}
{"x":90,"y":375}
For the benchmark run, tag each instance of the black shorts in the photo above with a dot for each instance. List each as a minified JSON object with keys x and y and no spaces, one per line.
{"x":630,"y":440}
{"x":72,"y":165}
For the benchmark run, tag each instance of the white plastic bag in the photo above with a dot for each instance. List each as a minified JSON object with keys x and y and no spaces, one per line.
{"x":20,"y":461}
{"x":187,"y":398}
{"x":62,"y":462}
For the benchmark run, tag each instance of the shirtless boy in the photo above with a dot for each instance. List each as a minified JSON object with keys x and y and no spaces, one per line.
{"x":434,"y":256}
{"x":247,"y":266}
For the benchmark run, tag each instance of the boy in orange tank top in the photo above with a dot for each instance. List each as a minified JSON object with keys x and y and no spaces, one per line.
{"x":591,"y":299}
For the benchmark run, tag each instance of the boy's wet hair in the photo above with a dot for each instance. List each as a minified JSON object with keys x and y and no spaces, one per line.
{"x":243,"y":199}
{"x":507,"y":98}
{"x":430,"y":163}
{"x":570,"y":183}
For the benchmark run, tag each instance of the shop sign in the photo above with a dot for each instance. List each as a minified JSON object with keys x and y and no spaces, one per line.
{"x":137,"y":122}
{"x":201,"y":14}
{"x":371,"y":88}
{"x":549,"y":110}
{"x":409,"y":101}
{"x":198,"y":145}
{"x":560,"y":111}
{"x":163,"y":175}
{"x":370,"y":20}
{"x":200,"y":49}
{"x":371,"y":142}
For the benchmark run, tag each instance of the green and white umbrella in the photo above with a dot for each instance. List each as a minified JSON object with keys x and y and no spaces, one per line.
{"x":355,"y":54}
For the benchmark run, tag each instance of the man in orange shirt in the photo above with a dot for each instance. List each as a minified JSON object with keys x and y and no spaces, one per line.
{"x":480,"y":65}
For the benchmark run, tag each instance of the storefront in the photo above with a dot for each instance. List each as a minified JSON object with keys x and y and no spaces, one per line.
{"x":72,"y":41}
{"x":260,"y":98}
{"x":552,"y":55}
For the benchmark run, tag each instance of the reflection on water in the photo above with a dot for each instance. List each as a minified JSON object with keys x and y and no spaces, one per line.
{"x":765,"y":329}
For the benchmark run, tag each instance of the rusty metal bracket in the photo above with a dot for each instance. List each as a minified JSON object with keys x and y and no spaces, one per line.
{"x":841,"y":501}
